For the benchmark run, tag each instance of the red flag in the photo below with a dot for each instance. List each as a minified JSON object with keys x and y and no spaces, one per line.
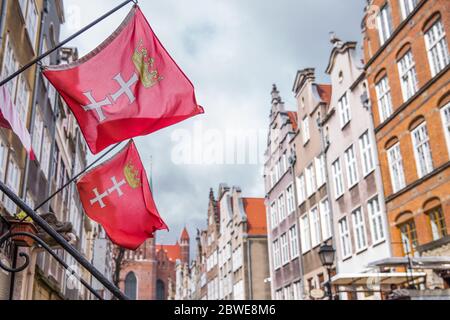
{"x":128,"y":86}
{"x":117,"y":195}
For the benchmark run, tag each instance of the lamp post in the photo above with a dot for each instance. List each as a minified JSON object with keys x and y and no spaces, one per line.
{"x":326,"y":255}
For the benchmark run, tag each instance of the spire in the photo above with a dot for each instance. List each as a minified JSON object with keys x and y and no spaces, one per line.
{"x":275,"y":94}
{"x":211,"y":194}
{"x":277,"y":102}
{"x":184,"y":235}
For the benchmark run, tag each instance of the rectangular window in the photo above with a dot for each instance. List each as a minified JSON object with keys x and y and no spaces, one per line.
{"x":422,"y":151}
{"x":45,"y":155}
{"x":437,"y":223}
{"x":408,"y":76}
{"x":22,"y":99}
{"x":273,"y":215}
{"x":320,"y":170}
{"x":346,"y":246}
{"x":407,"y":6}
{"x":37,"y":133}
{"x":238,"y":291}
{"x":284,"y":249}
{"x":32,"y":21}
{"x":396,"y":168}
{"x":367,"y":153}
{"x":3,"y":160}
{"x":409,"y":237}
{"x":276,"y":254}
{"x":359,"y":229}
{"x":281,"y":207}
{"x":445,"y":118}
{"x":352,"y":170}
{"x":325,"y":217}
{"x":290,"y":199}
{"x":9,"y":67}
{"x":344,"y":110}
{"x":301,"y":192}
{"x":305,"y":234}
{"x":13,"y":182}
{"x":384,"y":24}
{"x":306,"y":135}
{"x":384,"y":99}
{"x":310,"y":180}
{"x":437,"y":48}
{"x":293,"y":240}
{"x":315,"y":226}
{"x":376,"y":220}
{"x":337,"y":178}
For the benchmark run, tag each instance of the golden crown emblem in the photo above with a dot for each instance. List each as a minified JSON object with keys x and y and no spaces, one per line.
{"x":145,"y":66}
{"x":132,"y":175}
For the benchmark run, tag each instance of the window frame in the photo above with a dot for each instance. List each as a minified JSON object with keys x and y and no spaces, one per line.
{"x":426,"y":149}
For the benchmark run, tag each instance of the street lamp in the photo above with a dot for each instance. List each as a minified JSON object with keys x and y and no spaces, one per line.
{"x":326,"y":255}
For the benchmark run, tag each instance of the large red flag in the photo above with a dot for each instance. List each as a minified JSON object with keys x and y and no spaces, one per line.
{"x":128,"y":86}
{"x":117,"y":195}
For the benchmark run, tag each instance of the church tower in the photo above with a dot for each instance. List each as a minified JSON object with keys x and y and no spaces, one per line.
{"x":184,"y":246}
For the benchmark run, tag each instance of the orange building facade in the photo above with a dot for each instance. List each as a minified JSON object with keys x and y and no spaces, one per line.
{"x":407,"y":68}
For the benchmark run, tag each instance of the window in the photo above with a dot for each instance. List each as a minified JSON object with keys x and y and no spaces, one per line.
{"x":368,"y":161}
{"x":284,"y":162}
{"x":281,"y":207}
{"x":238,"y":290}
{"x":293,"y":240}
{"x":276,"y":254}
{"x":9,"y":67}
{"x":304,"y":234}
{"x":325,"y":217}
{"x":236,"y":259}
{"x":407,"y":6}
{"x":3,"y":158}
{"x":376,"y":220}
{"x":422,"y":151}
{"x":437,"y":223}
{"x":13,"y":182}
{"x":320,"y":170}
{"x":22,"y":99}
{"x":344,"y":110}
{"x":437,"y":48}
{"x":131,"y":286}
{"x":301,"y":192}
{"x":31,"y":21}
{"x":408,"y":76}
{"x":445,"y":117}
{"x":37,"y":133}
{"x":290,"y":199}
{"x":296,"y":291}
{"x":396,"y":168}
{"x":306,"y":135}
{"x":310,"y":180}
{"x":345,"y":238}
{"x":315,"y":226}
{"x":409,"y":237}
{"x":359,"y":229}
{"x":337,"y":178}
{"x":45,"y":156}
{"x":384,"y":98}
{"x":384,"y":24}
{"x":284,"y":249}
{"x":273,"y":215}
{"x":352,"y":171}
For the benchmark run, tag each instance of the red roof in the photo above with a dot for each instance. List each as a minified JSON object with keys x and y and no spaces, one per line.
{"x":184,"y":234}
{"x":324,"y":91}
{"x":256,"y":216}
{"x":173,"y":251}
{"x":293,"y":117}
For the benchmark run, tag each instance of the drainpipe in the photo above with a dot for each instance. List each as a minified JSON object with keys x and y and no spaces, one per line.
{"x":35,"y":94}
{"x":249,"y":270}
{"x":3,"y":19}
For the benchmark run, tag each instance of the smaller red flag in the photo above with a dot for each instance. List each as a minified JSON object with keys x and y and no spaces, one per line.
{"x":117,"y":195}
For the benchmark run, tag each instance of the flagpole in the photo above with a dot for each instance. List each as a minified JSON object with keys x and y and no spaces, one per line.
{"x":62,"y":43}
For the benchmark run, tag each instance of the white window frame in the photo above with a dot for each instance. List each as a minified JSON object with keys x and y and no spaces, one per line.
{"x":384,"y":24}
{"x":306,"y":133}
{"x":13,"y":176}
{"x":310,"y":180}
{"x":325,"y":219}
{"x":367,"y":153}
{"x":395,"y":161}
{"x":274,"y":214}
{"x":338,"y":179}
{"x":290,"y":199}
{"x":9,"y":66}
{"x":284,"y":249}
{"x":407,"y":6}
{"x":320,"y":170}
{"x":408,"y":75}
{"x":305,"y":235}
{"x":344,"y":235}
{"x":301,"y":191}
{"x":376,"y":219}
{"x":31,"y":21}
{"x":276,"y":254}
{"x":3,"y":160}
{"x":422,"y":150}
{"x":315,"y":226}
{"x":359,"y":229}
{"x":445,"y":118}
{"x":437,"y":47}
{"x":344,"y":110}
{"x":281,"y":207}
{"x":384,"y":99}
{"x":293,"y":241}
{"x":351,"y":166}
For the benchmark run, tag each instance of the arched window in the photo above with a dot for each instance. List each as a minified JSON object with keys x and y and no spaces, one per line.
{"x":409,"y":237}
{"x":434,"y":212}
{"x":131,"y":286}
{"x":160,"y":290}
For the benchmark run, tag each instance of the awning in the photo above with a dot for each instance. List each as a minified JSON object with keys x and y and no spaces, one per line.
{"x":431,"y":262}
{"x":378,"y":278}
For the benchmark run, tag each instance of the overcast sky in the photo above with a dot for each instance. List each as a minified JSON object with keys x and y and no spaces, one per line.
{"x":232,"y":50}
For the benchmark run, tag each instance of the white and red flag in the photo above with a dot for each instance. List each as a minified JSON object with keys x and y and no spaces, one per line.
{"x":117,"y":195}
{"x":128,"y":86}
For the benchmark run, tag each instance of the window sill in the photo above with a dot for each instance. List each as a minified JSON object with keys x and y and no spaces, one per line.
{"x":345,"y":125}
{"x":372,"y":170}
{"x":353,"y":186}
{"x":346,"y":258}
{"x":337,"y":198}
{"x":362,"y":250}
{"x":379,"y":242}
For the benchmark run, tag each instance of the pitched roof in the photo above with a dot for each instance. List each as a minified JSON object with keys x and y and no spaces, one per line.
{"x":293,"y":117}
{"x":256,"y":216}
{"x":184,"y":234}
{"x":324,"y":91}
{"x":173,"y":251}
